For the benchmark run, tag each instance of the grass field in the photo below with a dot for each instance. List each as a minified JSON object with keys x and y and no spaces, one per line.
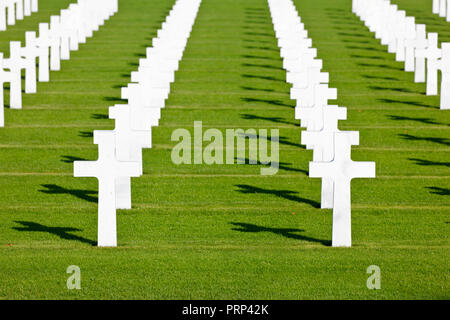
{"x":225,"y":231}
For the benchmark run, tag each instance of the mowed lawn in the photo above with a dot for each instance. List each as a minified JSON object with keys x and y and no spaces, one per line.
{"x":225,"y":231}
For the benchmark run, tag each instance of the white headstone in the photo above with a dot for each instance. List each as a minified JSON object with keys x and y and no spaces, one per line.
{"x":129,"y":145}
{"x":30,"y":52}
{"x":312,"y":116}
{"x":142,"y":116}
{"x":19,"y":9}
{"x":341,"y":171}
{"x":322,"y":143}
{"x":106,"y":169}
{"x":2,"y":16}
{"x":55,"y":46}
{"x":436,"y":4}
{"x":43,"y":43}
{"x":11,"y":18}
{"x":420,"y":53}
{"x":15,"y":64}
{"x":433,"y":53}
{"x":410,"y":44}
{"x":443,"y":8}
{"x":34,"y":5}
{"x":4,"y":77}
{"x":444,"y":66}
{"x":27,"y":8}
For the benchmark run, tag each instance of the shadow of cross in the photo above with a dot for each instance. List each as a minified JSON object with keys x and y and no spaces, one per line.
{"x":62,"y":232}
{"x":286,"y":194}
{"x":285,"y":232}
{"x":81,"y":194}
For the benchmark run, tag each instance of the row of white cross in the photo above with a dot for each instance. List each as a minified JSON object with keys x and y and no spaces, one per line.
{"x":54,"y":43}
{"x":442,"y":8}
{"x":331,"y":147}
{"x":120,"y":150}
{"x":410,"y":43}
{"x":12,"y":10}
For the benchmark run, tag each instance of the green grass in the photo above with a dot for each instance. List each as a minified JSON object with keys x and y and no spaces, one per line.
{"x":224,"y":231}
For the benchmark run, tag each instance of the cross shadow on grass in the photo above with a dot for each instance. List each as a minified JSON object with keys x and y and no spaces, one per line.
{"x":62,"y":232}
{"x":443,"y":141}
{"x":286,"y":194}
{"x":71,"y":159}
{"x":272,"y":119}
{"x":412,"y":103}
{"x":78,"y":193}
{"x":422,"y":162}
{"x":273,"y":102}
{"x":290,"y":233}
{"x":422,"y":120}
{"x":439,"y":191}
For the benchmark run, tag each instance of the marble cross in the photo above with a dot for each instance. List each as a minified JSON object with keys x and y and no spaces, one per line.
{"x":142,"y":116}
{"x":322,"y":143}
{"x":19,"y":9}
{"x":432,"y":53}
{"x":410,"y":44}
{"x":443,"y":8}
{"x":2,"y":16}
{"x":55,"y":43}
{"x":44,"y":43}
{"x":307,"y":60}
{"x":11,"y":18}
{"x":307,"y":80}
{"x":129,"y":145}
{"x":421,"y":43}
{"x":34,"y":5}
{"x":27,"y":8}
{"x":106,"y":169}
{"x":312,"y":116}
{"x":436,"y":4}
{"x":30,"y":52}
{"x":15,"y":64}
{"x":444,"y":66}
{"x":4,"y":77}
{"x":341,"y":170}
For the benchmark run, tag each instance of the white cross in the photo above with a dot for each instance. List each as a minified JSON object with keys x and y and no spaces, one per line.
{"x":15,"y":64}
{"x":421,"y":44}
{"x":4,"y":77}
{"x":44,"y":42}
{"x":341,"y":171}
{"x":310,"y":78}
{"x":300,"y":63}
{"x":34,"y":6}
{"x":306,"y":60}
{"x":106,"y":169}
{"x":322,"y":143}
{"x":436,"y":6}
{"x":66,"y":33}
{"x":129,"y":145}
{"x":432,"y":53}
{"x":30,"y":52}
{"x":312,"y":116}
{"x":19,"y":9}
{"x":137,"y":94}
{"x":2,"y":16}
{"x":11,"y":12}
{"x":400,"y":34}
{"x":443,"y":8}
{"x":444,"y":66}
{"x":27,"y":8}
{"x":150,"y":77}
{"x":55,"y":43}
{"x":410,"y":44}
